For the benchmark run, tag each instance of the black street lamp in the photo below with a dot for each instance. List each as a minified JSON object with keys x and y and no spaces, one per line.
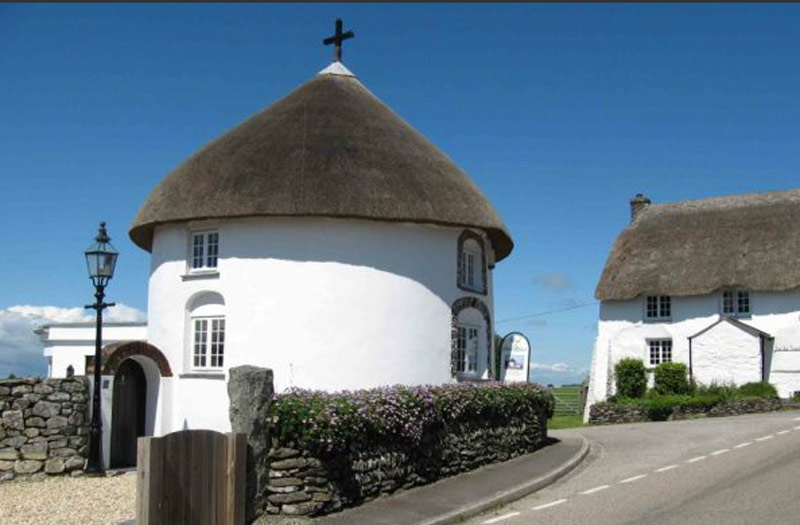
{"x":101,"y":257}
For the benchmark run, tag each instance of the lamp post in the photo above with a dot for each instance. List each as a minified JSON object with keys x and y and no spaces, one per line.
{"x":101,"y":257}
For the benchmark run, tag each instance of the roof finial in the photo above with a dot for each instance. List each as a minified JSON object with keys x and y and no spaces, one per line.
{"x":337,"y":39}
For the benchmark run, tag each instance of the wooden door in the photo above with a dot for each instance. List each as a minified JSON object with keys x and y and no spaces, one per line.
{"x":128,"y":412}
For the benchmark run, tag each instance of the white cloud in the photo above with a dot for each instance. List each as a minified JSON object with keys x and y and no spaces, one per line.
{"x":21,"y":349}
{"x":554,"y":281}
{"x":554,"y":367}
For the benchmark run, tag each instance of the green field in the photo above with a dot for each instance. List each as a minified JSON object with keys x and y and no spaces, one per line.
{"x":557,"y":422}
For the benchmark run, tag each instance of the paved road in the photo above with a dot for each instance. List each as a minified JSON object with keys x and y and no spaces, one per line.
{"x":741,"y":470}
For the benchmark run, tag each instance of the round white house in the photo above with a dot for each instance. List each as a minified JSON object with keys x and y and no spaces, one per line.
{"x":323,"y":238}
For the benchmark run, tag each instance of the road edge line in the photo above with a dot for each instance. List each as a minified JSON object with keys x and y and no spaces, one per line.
{"x":516,"y":493}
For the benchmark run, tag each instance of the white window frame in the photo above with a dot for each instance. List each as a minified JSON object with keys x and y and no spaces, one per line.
{"x":659,"y":351}
{"x":466,"y":357}
{"x":658,"y":307}
{"x":736,"y":302}
{"x":471,"y":269}
{"x":208,"y":352}
{"x":203,"y":256}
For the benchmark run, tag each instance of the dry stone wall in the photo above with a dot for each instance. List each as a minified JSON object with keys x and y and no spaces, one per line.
{"x":286,"y":479}
{"x":301,"y":484}
{"x":43,"y":427}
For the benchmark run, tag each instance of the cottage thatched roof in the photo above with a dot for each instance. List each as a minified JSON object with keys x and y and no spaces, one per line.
{"x":330,"y":149}
{"x":699,"y":246}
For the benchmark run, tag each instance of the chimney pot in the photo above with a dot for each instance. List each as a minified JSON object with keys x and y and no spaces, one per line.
{"x":638,"y":205}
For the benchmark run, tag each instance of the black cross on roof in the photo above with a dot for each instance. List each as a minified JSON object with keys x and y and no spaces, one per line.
{"x":337,"y":39}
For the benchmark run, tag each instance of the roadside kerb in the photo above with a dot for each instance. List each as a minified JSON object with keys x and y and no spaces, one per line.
{"x":514,"y":494}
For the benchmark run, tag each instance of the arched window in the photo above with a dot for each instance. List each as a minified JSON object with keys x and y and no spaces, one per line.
{"x":471,"y":339}
{"x":471,"y":262}
{"x":206,"y":332}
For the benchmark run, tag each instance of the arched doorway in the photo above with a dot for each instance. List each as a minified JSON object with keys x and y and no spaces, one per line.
{"x":128,"y":413}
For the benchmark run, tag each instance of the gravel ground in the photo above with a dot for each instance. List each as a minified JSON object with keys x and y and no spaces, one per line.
{"x":64,"y":500}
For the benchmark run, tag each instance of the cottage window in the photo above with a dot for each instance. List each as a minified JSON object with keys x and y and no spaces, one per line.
{"x":204,"y":250}
{"x":208,"y":349}
{"x":660,"y":351}
{"x":471,"y":263}
{"x":736,"y":302}
{"x":467,"y":348}
{"x":658,"y":307}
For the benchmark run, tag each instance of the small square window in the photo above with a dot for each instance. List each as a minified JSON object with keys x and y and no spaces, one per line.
{"x":736,"y":302}
{"x":204,"y":250}
{"x":660,"y":351}
{"x":658,"y":307}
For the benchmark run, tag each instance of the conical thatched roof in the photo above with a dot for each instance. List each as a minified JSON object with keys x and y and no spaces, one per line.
{"x":328,"y":149}
{"x":699,"y":246}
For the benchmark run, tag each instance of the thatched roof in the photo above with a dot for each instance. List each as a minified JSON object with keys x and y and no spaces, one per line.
{"x":328,"y":149}
{"x":699,"y":246}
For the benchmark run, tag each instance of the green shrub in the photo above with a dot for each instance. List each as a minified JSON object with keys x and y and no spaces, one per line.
{"x":762,"y":389}
{"x":796,"y":397}
{"x":671,"y":378}
{"x":659,"y":408}
{"x":631,"y":378}
{"x":724,"y":391}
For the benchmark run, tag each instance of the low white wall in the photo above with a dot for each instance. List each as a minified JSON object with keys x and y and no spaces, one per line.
{"x":70,"y":344}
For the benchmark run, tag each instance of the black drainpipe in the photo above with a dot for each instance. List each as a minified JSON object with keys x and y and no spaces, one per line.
{"x":690,"y":358}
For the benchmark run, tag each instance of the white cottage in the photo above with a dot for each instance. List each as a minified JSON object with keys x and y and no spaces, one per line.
{"x":323,"y":238}
{"x":712,"y":283}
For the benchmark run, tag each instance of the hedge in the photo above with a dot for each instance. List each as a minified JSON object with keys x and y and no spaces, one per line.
{"x":335,"y":422}
{"x":671,"y":378}
{"x":631,"y":378}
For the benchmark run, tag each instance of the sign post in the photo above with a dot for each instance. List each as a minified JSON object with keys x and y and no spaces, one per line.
{"x":515,"y":358}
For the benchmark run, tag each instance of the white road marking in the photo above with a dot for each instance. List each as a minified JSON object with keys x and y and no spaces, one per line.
{"x":764,"y":438}
{"x":634,"y":478}
{"x":501,"y":518}
{"x":548,"y":505}
{"x":782,"y":432}
{"x":596,"y":489}
{"x":720,"y":451}
{"x":797,"y":427}
{"x":745,"y":444}
{"x":668,"y":467}
{"x":797,"y":419}
{"x":698,"y":458}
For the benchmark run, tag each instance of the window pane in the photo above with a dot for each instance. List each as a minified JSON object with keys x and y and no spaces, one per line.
{"x":200,"y":338}
{"x":743,"y":302}
{"x":461,"y":346}
{"x":665,"y":306}
{"x":652,"y":307}
{"x":727,"y":302}
{"x":213,"y":249}
{"x":197,"y":251}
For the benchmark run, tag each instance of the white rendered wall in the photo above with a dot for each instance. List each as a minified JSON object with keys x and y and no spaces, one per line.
{"x":622,"y":332}
{"x":726,"y":354}
{"x":70,"y":344}
{"x":325,"y":303}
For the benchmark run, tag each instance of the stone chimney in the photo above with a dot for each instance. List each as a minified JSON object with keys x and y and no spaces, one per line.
{"x":638,"y":205}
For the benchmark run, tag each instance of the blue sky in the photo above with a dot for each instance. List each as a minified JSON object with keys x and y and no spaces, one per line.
{"x":560,"y":113}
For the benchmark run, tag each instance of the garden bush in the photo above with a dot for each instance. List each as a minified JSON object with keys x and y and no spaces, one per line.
{"x":725,"y":391}
{"x":671,"y":378}
{"x":758,"y":389}
{"x":335,"y":422}
{"x":631,"y":378}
